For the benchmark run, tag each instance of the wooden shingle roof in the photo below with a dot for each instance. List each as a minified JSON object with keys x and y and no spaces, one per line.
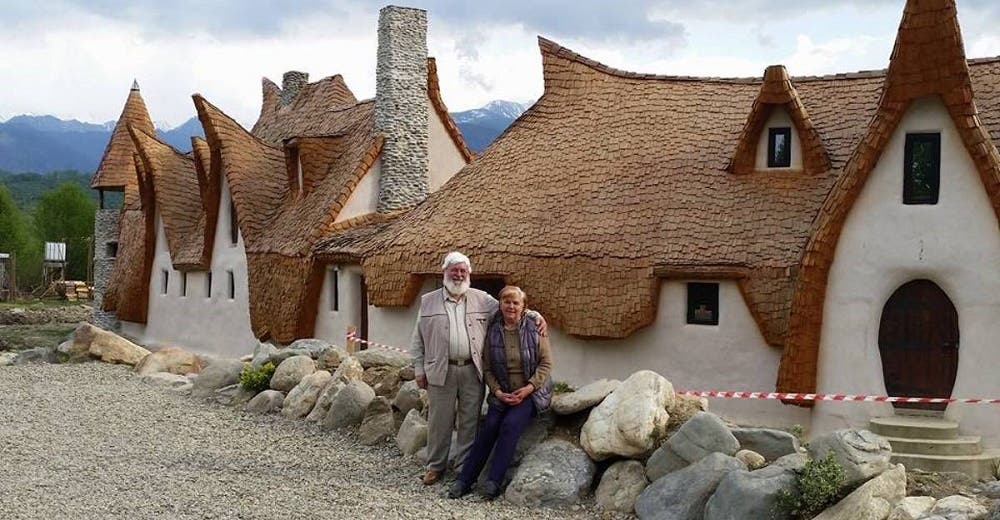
{"x":116,"y":169}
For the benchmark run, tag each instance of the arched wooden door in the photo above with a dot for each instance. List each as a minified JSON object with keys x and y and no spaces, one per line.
{"x":918,"y":341}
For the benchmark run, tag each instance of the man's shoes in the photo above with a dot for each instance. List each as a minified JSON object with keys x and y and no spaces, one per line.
{"x":431,"y":477}
{"x":459,"y":489}
{"x":491,"y":490}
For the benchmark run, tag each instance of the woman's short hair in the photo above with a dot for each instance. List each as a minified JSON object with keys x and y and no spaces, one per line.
{"x":513,"y":290}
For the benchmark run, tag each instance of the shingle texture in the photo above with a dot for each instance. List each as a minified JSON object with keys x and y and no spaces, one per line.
{"x":116,"y":168}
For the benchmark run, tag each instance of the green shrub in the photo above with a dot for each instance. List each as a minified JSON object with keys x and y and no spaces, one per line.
{"x":256,"y":379}
{"x":818,"y":485}
{"x":561,"y":387}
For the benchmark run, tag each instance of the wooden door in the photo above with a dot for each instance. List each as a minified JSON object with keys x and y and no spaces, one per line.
{"x":918,"y":342}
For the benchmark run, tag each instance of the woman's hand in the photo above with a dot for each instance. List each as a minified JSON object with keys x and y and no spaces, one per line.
{"x":507,"y":399}
{"x":523,"y":392}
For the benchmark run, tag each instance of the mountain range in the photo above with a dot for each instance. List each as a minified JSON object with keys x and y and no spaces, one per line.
{"x":47,"y":143}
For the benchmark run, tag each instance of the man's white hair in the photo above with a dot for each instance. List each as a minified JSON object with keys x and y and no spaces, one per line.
{"x":455,"y":257}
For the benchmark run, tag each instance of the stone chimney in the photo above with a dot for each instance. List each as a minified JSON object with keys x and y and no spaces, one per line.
{"x":401,"y":106}
{"x":291,"y":84}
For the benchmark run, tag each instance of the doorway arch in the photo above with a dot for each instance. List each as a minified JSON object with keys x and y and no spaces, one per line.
{"x":918,"y":343}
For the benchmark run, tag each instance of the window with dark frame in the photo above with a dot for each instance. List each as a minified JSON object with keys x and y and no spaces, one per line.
{"x":922,"y":168}
{"x":184,"y":283}
{"x":334,"y":289}
{"x":111,"y":249}
{"x":703,"y":303}
{"x":779,"y":147}
{"x":234,"y":227}
{"x":208,"y":285}
{"x":232,"y":284}
{"x":164,"y":281}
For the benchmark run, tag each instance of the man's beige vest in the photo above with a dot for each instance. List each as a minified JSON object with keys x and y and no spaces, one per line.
{"x":433,"y":326}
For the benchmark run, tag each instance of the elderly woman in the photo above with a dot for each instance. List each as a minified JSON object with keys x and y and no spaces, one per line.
{"x":516,"y":365}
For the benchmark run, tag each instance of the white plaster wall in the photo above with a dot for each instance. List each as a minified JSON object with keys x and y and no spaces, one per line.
{"x":444,"y":158}
{"x":884,"y":244}
{"x":779,"y":118}
{"x":332,"y":325}
{"x":730,"y":356}
{"x":213,"y":325}
{"x":364,"y":198}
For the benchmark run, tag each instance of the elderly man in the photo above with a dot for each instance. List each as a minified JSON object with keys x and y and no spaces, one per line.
{"x":447,"y":360}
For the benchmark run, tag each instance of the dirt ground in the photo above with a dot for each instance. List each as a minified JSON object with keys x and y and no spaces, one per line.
{"x":27,"y":325}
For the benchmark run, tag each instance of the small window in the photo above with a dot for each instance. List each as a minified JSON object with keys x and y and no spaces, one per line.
{"x":779,"y":149}
{"x":922,"y":168}
{"x":164,"y":281}
{"x":334,"y":289}
{"x":232,"y":284}
{"x":703,"y":303}
{"x":184,"y":283}
{"x":234,"y":228}
{"x":208,"y":285}
{"x":111,"y":249}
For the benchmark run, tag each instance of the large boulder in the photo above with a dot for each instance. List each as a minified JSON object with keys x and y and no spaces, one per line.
{"x":587,"y":396}
{"x":349,"y":406}
{"x":170,"y":359}
{"x":314,"y":347}
{"x":912,"y":508}
{"x":233,"y":395}
{"x":630,"y":421}
{"x":861,"y":453}
{"x":683,"y":408}
{"x":874,"y":500}
{"x":409,"y":397}
{"x":72,"y":351}
{"x":268,"y":401}
{"x":957,"y":507}
{"x":348,"y":370}
{"x":107,"y":346}
{"x":750,"y":494}
{"x":704,"y":434}
{"x":378,"y":425}
{"x":533,"y":435}
{"x":291,"y":371}
{"x":772,"y":444}
{"x":383,"y":379}
{"x":682,"y":495}
{"x":330,"y":358}
{"x":301,"y":400}
{"x":262,"y":354}
{"x":325,"y":399}
{"x":621,"y":486}
{"x":218,"y":374}
{"x":412,"y":435}
{"x":378,"y":357}
{"x":554,"y":473}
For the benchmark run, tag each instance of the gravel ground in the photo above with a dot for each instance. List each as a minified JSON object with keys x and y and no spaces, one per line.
{"x":91,"y":441}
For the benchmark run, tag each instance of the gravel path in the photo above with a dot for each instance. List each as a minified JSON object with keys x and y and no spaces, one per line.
{"x":91,"y":441}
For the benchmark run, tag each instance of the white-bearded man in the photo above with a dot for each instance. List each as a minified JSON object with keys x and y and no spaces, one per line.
{"x":447,"y":360}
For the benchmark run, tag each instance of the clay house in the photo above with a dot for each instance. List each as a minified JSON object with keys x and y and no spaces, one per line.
{"x":216,"y":245}
{"x":834,"y":234}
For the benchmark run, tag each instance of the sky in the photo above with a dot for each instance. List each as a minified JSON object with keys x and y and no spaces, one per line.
{"x":76,"y":59}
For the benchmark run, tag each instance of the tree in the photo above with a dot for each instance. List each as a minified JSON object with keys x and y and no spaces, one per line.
{"x":66,"y":214}
{"x":17,"y":237}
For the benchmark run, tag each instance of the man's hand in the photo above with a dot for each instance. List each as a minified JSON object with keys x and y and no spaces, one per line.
{"x":422,"y":382}
{"x":543,"y":327}
{"x":523,"y":392}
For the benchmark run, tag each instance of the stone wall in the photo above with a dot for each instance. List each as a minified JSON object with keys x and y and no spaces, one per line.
{"x":105,"y":238}
{"x":401,"y":106}
{"x":291,"y":84}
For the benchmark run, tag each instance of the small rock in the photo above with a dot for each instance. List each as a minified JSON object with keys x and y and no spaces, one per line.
{"x":314,"y":347}
{"x":409,"y":397}
{"x":218,"y":374}
{"x":912,"y":508}
{"x":683,"y":494}
{"x":407,"y":373}
{"x":683,"y":408}
{"x":957,"y":507}
{"x":262,"y":353}
{"x":268,"y":401}
{"x":349,"y":406}
{"x":874,"y":500}
{"x":376,"y":357}
{"x":751,"y":458}
{"x":792,"y":461}
{"x":169,"y":359}
{"x":588,"y":396}
{"x":412,"y":435}
{"x":621,"y":486}
{"x":349,"y":370}
{"x":301,"y":400}
{"x":378,"y":424}
{"x":990,"y":489}
{"x":330,"y":358}
{"x":165,"y":379}
{"x":383,"y":379}
{"x":861,"y":453}
{"x":291,"y":371}
{"x":772,"y":444}
{"x":630,"y":421}
{"x":7,"y":358}
{"x":554,"y":473}
{"x":233,"y":395}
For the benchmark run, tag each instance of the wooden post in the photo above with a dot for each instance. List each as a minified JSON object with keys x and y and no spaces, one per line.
{"x":352,"y":342}
{"x":13,"y":276}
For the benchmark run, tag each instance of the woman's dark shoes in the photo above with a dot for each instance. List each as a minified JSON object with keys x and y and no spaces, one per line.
{"x":459,"y":489}
{"x":491,"y":490}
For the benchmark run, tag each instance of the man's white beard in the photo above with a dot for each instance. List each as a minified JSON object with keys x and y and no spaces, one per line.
{"x":456,"y":288}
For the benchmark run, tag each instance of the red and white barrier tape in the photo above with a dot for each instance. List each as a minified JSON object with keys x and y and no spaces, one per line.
{"x":777,"y":396}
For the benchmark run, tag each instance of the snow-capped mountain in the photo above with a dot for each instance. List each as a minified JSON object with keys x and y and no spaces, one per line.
{"x":480,"y":126}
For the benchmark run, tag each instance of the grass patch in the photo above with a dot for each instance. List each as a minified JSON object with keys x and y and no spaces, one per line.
{"x":41,"y":304}
{"x":23,"y":337}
